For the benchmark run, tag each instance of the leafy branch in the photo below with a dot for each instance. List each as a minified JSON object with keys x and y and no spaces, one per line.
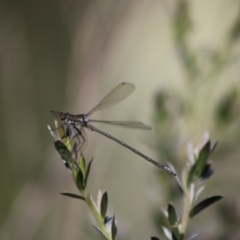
{"x":80,"y":171}
{"x":197,"y":170}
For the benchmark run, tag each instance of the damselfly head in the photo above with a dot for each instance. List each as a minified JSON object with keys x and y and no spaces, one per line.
{"x":60,"y":115}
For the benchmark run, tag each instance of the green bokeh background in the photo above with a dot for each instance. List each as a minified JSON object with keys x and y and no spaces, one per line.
{"x":183,"y":57}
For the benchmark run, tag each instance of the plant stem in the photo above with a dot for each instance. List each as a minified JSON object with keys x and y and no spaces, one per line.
{"x":186,"y":210}
{"x":96,"y":214}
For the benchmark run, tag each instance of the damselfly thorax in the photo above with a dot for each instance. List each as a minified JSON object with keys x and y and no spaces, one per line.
{"x":67,"y":118}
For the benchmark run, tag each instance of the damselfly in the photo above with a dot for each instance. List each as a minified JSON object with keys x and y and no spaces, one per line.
{"x":75,"y":124}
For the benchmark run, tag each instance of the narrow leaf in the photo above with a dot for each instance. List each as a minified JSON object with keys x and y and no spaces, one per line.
{"x":164,"y":212}
{"x":191,"y":175}
{"x":204,"y":204}
{"x":202,"y":159}
{"x":173,"y":220}
{"x":65,"y":154}
{"x":199,"y":191}
{"x":167,"y":233}
{"x":205,"y":138}
{"x":62,"y":149}
{"x":82,"y":164}
{"x":72,"y":195}
{"x":172,"y":215}
{"x":174,"y":236}
{"x":199,"y":166}
{"x":87,"y":172}
{"x":99,"y":199}
{"x":104,"y":204}
{"x":194,"y":236}
{"x":79,"y":180}
{"x":114,"y":229}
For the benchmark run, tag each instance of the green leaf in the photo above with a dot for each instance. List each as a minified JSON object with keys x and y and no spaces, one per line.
{"x":172,"y":215}
{"x":191,"y":175}
{"x":88,"y":171}
{"x":199,"y":166}
{"x":204,"y":204}
{"x":202,"y":159}
{"x":79,"y":179}
{"x":72,"y":195}
{"x":173,"y":220}
{"x":174,"y":236}
{"x":104,"y":204}
{"x":65,"y":154}
{"x":114,"y":228}
{"x":62,"y":149}
{"x":81,"y":164}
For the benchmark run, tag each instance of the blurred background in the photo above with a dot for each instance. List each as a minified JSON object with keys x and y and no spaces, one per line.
{"x":183,"y":58}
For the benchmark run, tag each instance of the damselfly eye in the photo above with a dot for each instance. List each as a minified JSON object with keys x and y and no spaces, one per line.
{"x":63,"y":117}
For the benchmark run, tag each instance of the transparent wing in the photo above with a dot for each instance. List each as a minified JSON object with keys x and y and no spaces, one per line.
{"x":119,"y":93}
{"x":126,"y":124}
